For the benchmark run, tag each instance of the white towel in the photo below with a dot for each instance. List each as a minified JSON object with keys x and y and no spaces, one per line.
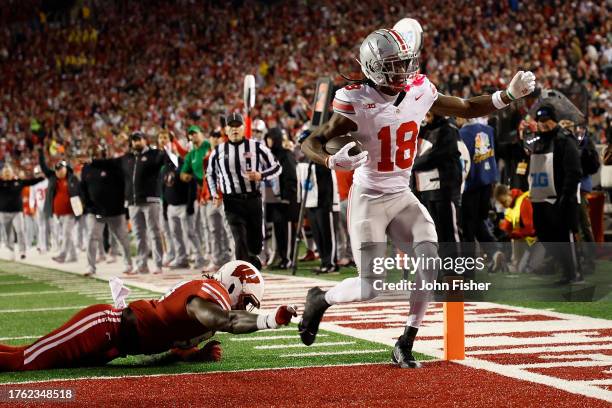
{"x":119,"y":292}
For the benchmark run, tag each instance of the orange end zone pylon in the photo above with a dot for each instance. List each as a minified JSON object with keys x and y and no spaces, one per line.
{"x":454,"y":331}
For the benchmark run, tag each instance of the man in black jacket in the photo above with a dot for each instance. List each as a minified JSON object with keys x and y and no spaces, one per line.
{"x":140,"y":168}
{"x":554,"y":174}
{"x":11,"y":209}
{"x":178,"y":201}
{"x":438,"y":175}
{"x":102,"y":195}
{"x":284,"y":211}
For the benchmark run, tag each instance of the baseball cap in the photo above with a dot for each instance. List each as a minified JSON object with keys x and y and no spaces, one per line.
{"x":235,"y":119}
{"x":193,"y":129}
{"x":545,"y":112}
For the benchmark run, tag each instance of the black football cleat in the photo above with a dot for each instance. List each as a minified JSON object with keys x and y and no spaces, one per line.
{"x":402,"y":352}
{"x":314,"y":309}
{"x":403,"y":358}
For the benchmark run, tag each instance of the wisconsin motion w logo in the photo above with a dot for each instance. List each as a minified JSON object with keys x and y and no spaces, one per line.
{"x":246,"y":274}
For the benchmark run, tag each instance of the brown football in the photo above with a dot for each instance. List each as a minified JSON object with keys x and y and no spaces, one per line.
{"x":334,"y":145}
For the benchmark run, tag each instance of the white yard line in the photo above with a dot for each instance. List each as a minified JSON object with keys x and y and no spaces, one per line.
{"x":543,"y":349}
{"x":334,"y":353}
{"x":42,"y":309}
{"x":42,"y":292}
{"x":267,"y":338}
{"x":300,"y":345}
{"x":19,"y":338}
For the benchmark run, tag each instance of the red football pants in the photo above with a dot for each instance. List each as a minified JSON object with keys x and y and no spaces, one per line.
{"x":89,"y":338}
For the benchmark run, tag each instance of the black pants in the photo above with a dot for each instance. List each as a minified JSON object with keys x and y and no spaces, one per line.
{"x":475,"y":206}
{"x":322,"y":224}
{"x":245,"y":218}
{"x":444,"y":213}
{"x":553,"y":230}
{"x":283,"y":217}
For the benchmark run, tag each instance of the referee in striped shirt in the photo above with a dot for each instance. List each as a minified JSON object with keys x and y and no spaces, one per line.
{"x":236,"y":168}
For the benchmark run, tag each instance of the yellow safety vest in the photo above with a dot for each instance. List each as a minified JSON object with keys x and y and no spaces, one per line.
{"x":513,"y":216}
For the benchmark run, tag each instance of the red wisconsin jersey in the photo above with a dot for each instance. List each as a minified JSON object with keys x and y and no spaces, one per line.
{"x":163,"y":324}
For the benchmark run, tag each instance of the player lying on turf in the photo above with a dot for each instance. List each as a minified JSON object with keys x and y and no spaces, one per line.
{"x":384,"y":112}
{"x":188,"y":314}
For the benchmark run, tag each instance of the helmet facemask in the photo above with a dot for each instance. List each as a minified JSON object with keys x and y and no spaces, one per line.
{"x":399,"y":73}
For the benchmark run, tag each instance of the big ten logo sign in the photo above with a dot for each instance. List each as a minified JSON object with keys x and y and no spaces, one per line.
{"x":539,"y":180}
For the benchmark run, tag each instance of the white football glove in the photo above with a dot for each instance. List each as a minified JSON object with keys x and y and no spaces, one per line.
{"x":342,"y":161}
{"x":521,"y":85}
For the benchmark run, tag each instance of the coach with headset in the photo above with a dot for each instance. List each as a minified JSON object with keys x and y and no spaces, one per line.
{"x":236,"y":169}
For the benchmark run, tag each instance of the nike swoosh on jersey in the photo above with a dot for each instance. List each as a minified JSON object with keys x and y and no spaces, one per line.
{"x":416,"y":98}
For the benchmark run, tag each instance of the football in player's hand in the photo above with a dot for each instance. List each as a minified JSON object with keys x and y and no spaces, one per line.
{"x":335,"y":144}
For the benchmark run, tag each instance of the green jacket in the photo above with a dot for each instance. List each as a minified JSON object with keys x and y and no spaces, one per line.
{"x":194,"y":160}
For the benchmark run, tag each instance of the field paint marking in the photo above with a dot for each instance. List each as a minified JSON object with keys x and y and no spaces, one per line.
{"x":323,"y":344}
{"x":139,"y":376}
{"x":19,"y":338}
{"x":567,"y":364}
{"x":529,"y":350}
{"x":22,"y":282}
{"x":575,"y":387}
{"x":43,"y":309}
{"x":260,"y":338}
{"x":333,"y":353}
{"x":42,"y":292}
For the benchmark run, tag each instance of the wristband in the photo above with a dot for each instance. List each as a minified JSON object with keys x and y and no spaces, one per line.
{"x":512,"y":98}
{"x":497,"y":100}
{"x":262,"y":322}
{"x":266,"y":322}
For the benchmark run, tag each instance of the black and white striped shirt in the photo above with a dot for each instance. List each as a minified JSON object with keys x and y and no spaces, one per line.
{"x":229,"y":162}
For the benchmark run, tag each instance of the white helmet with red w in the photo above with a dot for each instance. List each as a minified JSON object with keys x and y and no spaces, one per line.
{"x":244,"y":284}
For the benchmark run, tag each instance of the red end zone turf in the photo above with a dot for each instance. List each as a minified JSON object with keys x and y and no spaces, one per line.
{"x":441,"y":384}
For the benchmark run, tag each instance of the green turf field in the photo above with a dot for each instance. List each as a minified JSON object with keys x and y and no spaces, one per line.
{"x":57,"y":295}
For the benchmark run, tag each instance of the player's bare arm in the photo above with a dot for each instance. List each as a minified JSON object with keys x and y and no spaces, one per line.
{"x":337,"y":125}
{"x":521,"y":85}
{"x":214,"y":318}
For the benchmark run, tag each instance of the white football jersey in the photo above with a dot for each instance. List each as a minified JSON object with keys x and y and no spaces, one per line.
{"x":388,"y":132}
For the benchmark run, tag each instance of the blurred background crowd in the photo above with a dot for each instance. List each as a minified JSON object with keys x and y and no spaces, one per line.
{"x":75,"y":74}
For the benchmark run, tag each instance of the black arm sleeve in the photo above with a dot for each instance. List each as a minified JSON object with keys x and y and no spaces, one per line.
{"x":43,"y":163}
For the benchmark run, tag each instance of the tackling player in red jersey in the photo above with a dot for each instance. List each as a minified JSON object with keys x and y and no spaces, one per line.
{"x":188,"y":314}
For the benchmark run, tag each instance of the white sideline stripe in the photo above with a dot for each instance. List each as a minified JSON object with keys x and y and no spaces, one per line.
{"x":73,"y":326}
{"x":333,"y":353}
{"x":566,"y":364}
{"x":15,"y":282}
{"x":323,"y":344}
{"x":43,"y":309}
{"x":65,"y":339}
{"x":19,"y":338}
{"x":42,"y":292}
{"x":260,"y":338}
{"x":526,"y":350}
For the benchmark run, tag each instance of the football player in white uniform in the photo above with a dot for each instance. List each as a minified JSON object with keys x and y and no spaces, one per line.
{"x":384,"y":112}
